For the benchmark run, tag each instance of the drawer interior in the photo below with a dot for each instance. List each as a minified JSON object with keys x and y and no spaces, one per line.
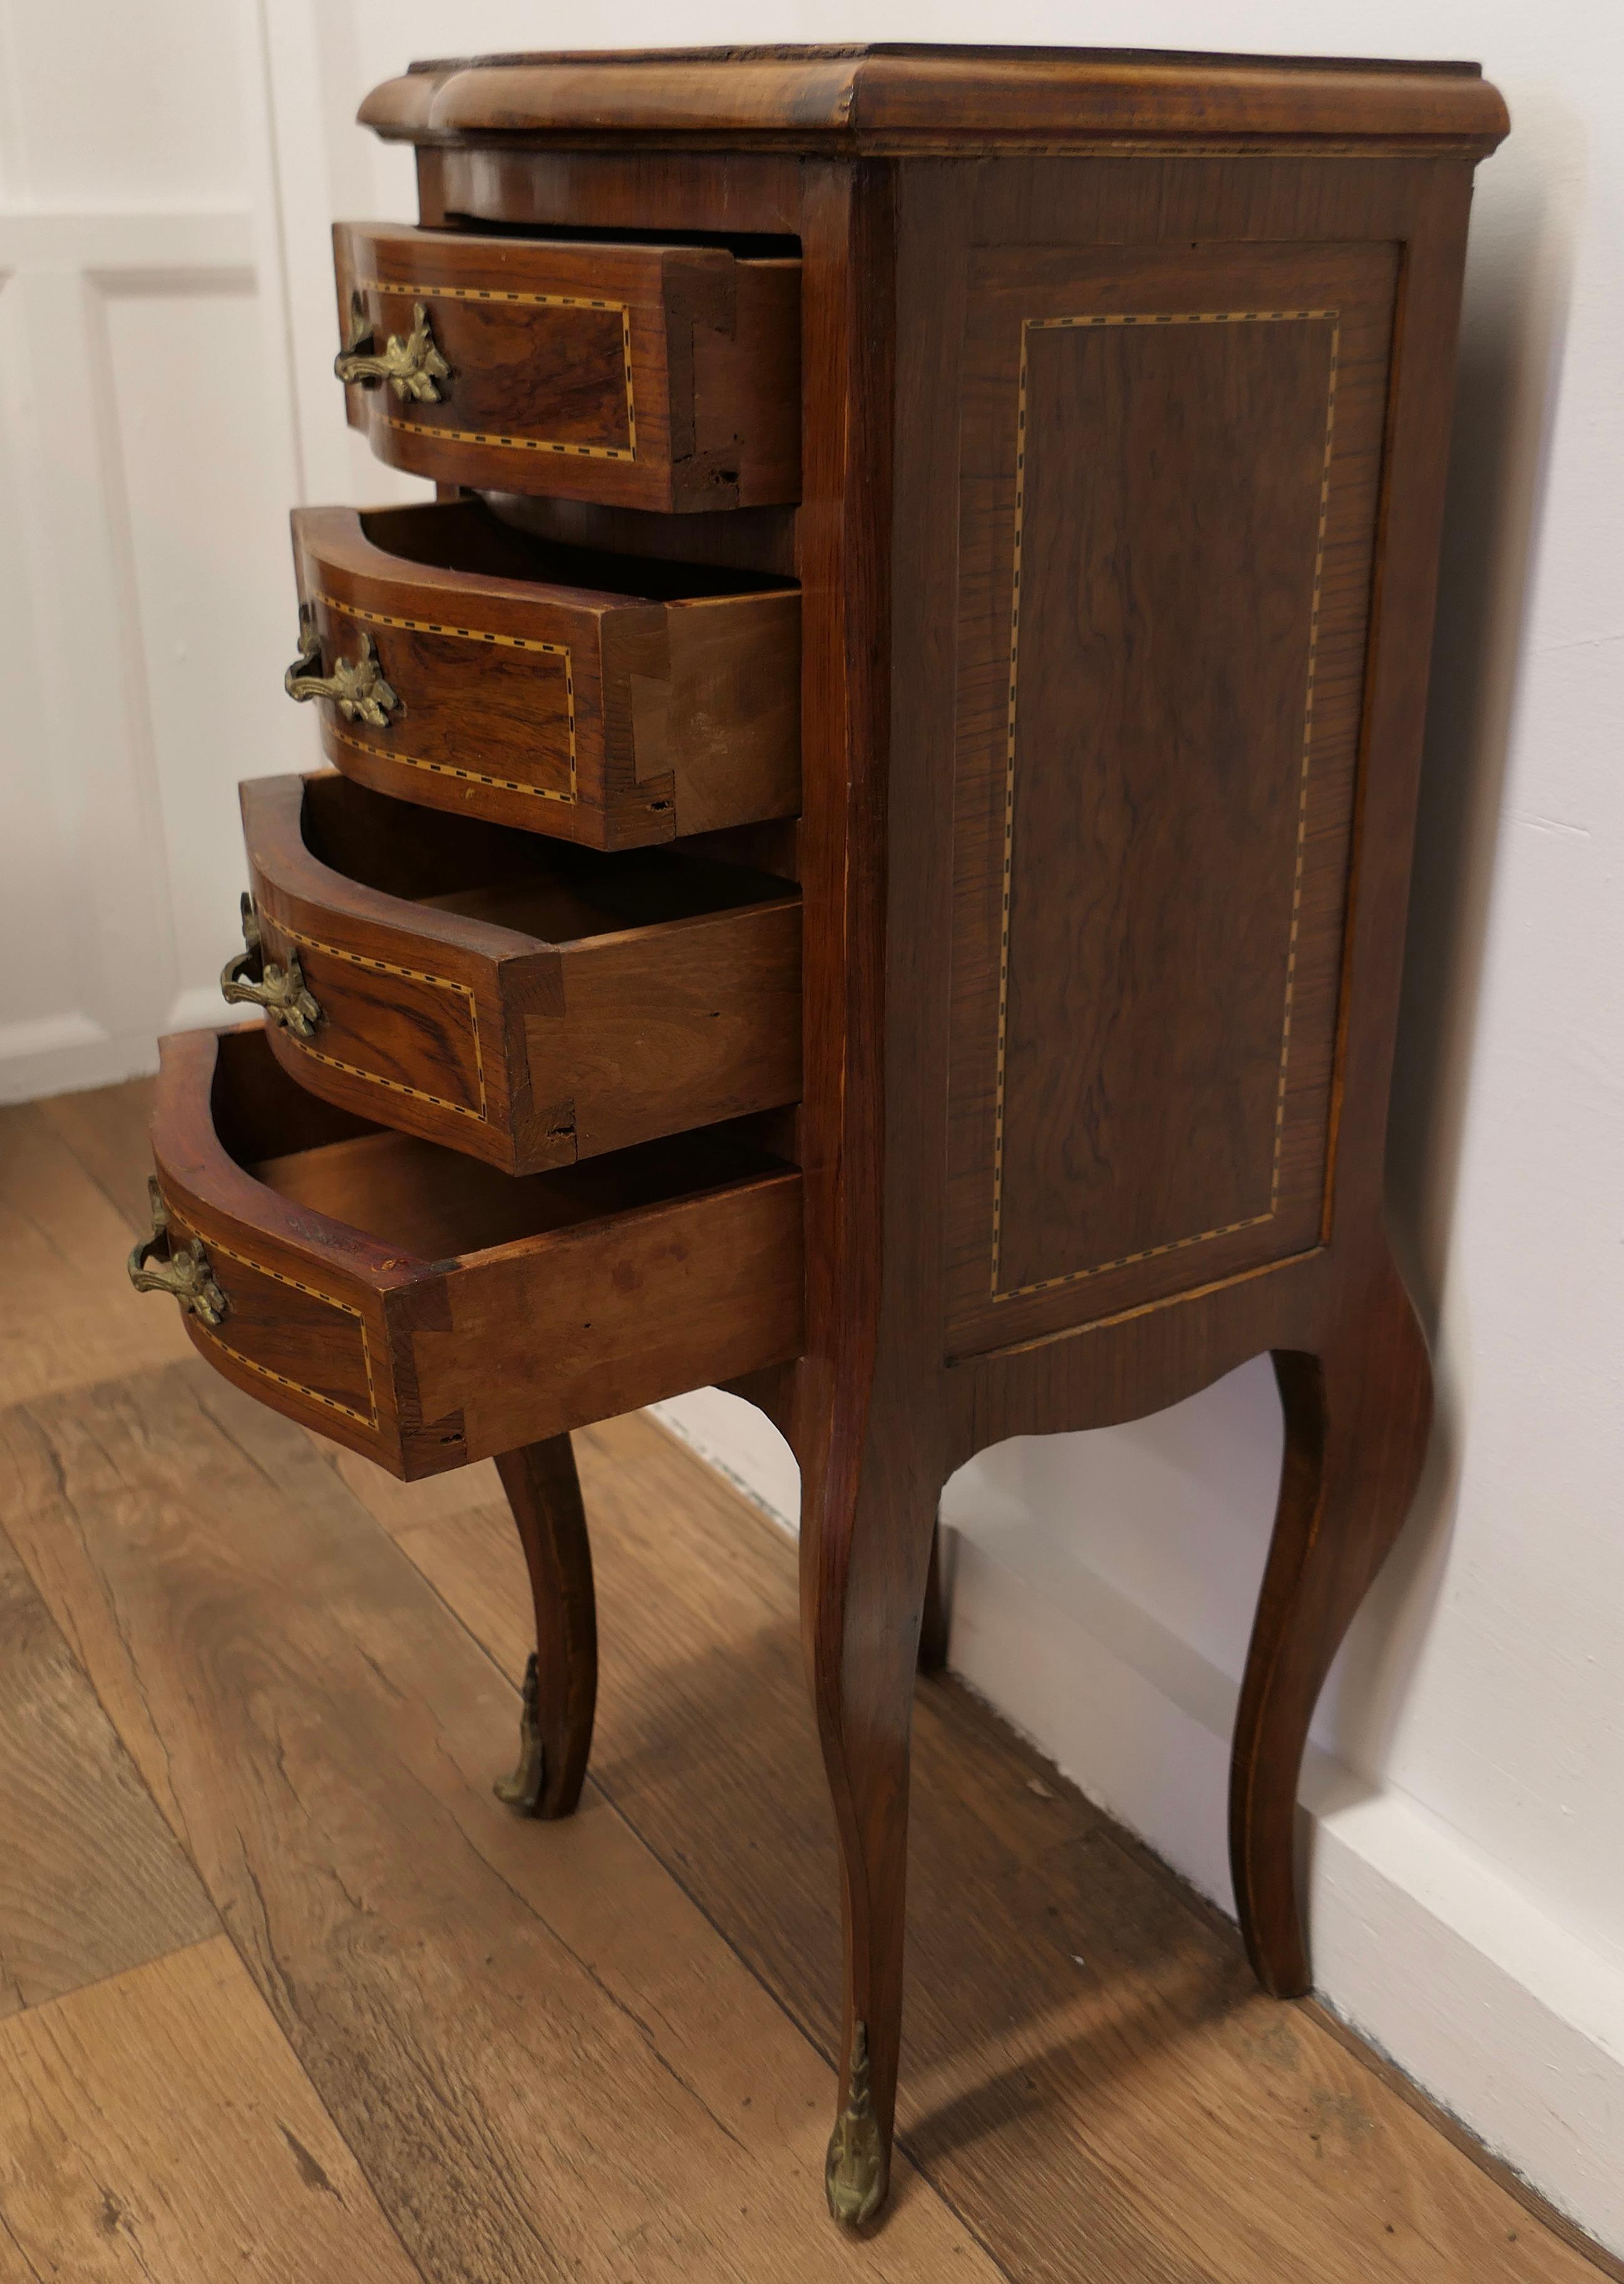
{"x":432,"y":1204}
{"x":463,"y":536}
{"x":746,"y":244}
{"x":551,"y":890}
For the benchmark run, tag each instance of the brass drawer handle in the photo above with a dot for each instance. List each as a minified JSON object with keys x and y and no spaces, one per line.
{"x":185,"y":1270}
{"x":410,"y":364}
{"x":280,"y":992}
{"x":358,"y":691}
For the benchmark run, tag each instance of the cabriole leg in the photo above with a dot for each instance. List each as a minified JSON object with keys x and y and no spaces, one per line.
{"x":561,"y":1679}
{"x":865,"y":1557}
{"x":1356,"y":1422}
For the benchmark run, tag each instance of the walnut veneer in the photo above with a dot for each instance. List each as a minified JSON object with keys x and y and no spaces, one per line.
{"x":1027,"y":466}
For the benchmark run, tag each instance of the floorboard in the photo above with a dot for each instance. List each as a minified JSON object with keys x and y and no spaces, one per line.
{"x":70,"y":1316}
{"x":155,"y":2130}
{"x":545,"y":2058}
{"x":92,"y":1881}
{"x":1090,"y":2076}
{"x":105,"y":1131}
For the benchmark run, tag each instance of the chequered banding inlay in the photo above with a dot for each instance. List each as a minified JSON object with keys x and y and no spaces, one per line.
{"x":413,"y":975}
{"x":627,"y":451}
{"x":1332,"y":317}
{"x":367,"y":1419}
{"x":463,"y":634}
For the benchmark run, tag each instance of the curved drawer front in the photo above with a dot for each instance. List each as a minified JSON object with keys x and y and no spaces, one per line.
{"x":315,"y":1347}
{"x":662,"y":377}
{"x":616,"y":716}
{"x":427,"y":1311}
{"x":412,"y":1031}
{"x":527,"y":1004}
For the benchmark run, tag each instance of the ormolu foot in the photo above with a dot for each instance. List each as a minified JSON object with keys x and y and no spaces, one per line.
{"x":522,"y":1791}
{"x":855,"y":2172}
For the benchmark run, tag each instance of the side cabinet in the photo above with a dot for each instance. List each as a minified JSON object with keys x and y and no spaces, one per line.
{"x":867,"y":834}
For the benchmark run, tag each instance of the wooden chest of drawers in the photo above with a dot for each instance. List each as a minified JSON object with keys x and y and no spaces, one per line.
{"x":866,"y":848}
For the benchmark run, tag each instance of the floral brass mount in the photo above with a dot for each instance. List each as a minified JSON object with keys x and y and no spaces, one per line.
{"x":522,"y":1791}
{"x":280,"y":992}
{"x":358,"y":690}
{"x":855,"y":2170}
{"x":183,"y":1271}
{"x":411,"y":364}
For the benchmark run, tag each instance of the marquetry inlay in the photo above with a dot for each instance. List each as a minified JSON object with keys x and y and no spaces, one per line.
{"x":367,"y":1419}
{"x":498,"y":294}
{"x":409,"y":974}
{"x":476,"y":635}
{"x":1149,"y":320}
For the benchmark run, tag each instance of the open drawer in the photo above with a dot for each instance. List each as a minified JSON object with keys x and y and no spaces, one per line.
{"x":427,"y":1311}
{"x":610,"y":700}
{"x":651,"y":376}
{"x":519,"y":999}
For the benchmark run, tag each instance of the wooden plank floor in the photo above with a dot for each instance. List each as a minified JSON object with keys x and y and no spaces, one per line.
{"x":286,"y":1994}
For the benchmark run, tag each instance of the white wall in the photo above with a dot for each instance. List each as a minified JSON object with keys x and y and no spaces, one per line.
{"x":167,"y":176}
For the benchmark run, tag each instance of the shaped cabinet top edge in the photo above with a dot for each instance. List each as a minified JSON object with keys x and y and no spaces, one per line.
{"x":878,"y":99}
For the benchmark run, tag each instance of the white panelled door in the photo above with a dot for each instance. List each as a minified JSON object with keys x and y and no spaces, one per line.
{"x":168,"y":177}
{"x":166,"y":174}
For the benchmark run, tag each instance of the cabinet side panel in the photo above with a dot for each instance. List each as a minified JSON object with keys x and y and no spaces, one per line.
{"x":1168,"y":502}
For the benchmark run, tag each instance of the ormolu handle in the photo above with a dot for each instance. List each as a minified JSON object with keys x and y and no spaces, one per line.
{"x":358,"y":691}
{"x":280,"y":992}
{"x":182,"y":1270}
{"x":411,"y":364}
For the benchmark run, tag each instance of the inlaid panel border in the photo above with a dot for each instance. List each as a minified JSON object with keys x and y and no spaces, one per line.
{"x":1151,"y":318}
{"x":367,"y":1419}
{"x":466,"y":634}
{"x":411,"y":975}
{"x":627,"y":451}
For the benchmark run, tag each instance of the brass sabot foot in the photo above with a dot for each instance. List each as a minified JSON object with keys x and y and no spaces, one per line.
{"x":854,"y":2172}
{"x":522,"y":1791}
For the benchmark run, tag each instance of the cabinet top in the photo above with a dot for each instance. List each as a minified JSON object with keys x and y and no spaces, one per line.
{"x":900,"y":100}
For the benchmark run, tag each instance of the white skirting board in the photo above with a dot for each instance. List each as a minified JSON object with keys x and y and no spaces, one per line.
{"x":64,"y":1054}
{"x":51,"y":1054}
{"x":1419,"y":1942}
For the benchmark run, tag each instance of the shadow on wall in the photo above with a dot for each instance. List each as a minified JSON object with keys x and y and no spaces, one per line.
{"x":1512,"y":334}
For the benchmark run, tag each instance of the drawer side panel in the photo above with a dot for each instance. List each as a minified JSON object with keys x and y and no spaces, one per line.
{"x":600,"y":1319}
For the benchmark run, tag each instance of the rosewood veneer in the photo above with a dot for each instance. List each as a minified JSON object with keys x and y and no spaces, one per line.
{"x":1027,"y":466}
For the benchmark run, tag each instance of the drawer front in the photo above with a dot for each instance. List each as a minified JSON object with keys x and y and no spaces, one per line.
{"x":301,"y":1348}
{"x":427,"y":1313}
{"x":654,"y":376}
{"x":617,"y":722}
{"x":394,"y":1028}
{"x":654,"y":1016}
{"x":479,"y":709}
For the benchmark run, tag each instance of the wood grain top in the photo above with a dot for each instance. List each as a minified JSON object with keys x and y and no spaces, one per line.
{"x":901,"y":99}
